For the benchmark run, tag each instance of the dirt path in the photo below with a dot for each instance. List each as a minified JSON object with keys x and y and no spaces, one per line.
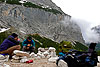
{"x":36,"y":63}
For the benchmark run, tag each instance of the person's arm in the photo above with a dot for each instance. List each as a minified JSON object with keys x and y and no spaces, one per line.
{"x":33,"y":43}
{"x":23,"y":43}
{"x":14,"y":41}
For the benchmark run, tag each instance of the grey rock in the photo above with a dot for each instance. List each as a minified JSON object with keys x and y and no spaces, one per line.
{"x":34,"y":20}
{"x":62,"y":63}
{"x":2,"y":57}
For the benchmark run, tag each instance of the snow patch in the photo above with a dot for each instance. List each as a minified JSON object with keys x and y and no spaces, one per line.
{"x":22,"y":32}
{"x":4,"y":29}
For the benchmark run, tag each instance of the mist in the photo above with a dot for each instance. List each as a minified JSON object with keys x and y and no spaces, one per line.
{"x":88,"y":34}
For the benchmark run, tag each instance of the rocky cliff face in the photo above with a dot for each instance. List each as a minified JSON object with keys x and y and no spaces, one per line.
{"x":29,"y":20}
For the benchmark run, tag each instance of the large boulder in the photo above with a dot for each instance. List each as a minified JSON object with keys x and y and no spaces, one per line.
{"x":21,"y":53}
{"x":62,"y":63}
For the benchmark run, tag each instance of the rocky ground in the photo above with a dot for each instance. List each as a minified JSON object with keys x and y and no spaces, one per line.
{"x":98,"y":65}
{"x":36,"y":63}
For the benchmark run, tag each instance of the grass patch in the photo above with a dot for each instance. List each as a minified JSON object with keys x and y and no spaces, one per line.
{"x":79,"y":46}
{"x":3,"y":36}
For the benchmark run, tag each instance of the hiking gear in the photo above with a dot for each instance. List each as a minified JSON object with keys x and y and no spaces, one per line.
{"x":30,"y":61}
{"x":80,"y":59}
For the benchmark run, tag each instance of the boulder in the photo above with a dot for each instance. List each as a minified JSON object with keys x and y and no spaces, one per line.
{"x":42,"y":56}
{"x":15,"y":61}
{"x":62,"y":63}
{"x":53,"y":59}
{"x":39,"y":54}
{"x":16,"y":57}
{"x":35,"y":55}
{"x":42,"y":50}
{"x":48,"y":56}
{"x":46,"y":48}
{"x":7,"y":58}
{"x":46,"y":53}
{"x":32,"y":55}
{"x":52,"y":49}
{"x":2,"y":57}
{"x":23,"y":60}
{"x":39,"y":48}
{"x":53,"y":54}
{"x":21,"y":53}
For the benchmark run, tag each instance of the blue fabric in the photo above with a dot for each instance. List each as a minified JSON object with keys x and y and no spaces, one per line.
{"x":7,"y":43}
{"x":4,"y":54}
{"x":61,"y":54}
{"x":26,"y":42}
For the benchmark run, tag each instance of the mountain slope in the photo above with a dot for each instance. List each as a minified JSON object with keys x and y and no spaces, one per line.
{"x":34,"y":18}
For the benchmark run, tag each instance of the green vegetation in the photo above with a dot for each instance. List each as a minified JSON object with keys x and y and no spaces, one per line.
{"x":2,"y":0}
{"x":98,"y":52}
{"x":65,"y":46}
{"x":3,"y":36}
{"x":29,"y":4}
{"x":79,"y":46}
{"x":13,"y":2}
{"x":98,"y":47}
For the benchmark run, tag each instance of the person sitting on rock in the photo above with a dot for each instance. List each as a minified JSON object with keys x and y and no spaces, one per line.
{"x":9,"y":45}
{"x":28,"y":44}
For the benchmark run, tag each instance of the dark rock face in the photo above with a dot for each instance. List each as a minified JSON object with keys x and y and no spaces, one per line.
{"x":34,"y":20}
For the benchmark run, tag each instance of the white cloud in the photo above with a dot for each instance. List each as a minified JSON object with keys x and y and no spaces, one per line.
{"x":82,"y":9}
{"x":88,"y":34}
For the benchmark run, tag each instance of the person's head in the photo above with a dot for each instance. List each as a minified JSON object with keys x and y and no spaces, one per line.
{"x":92,"y":45}
{"x":29,"y":38}
{"x":15,"y":36}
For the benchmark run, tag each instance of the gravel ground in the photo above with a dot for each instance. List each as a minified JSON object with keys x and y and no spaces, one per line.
{"x":36,"y":63}
{"x":98,"y":65}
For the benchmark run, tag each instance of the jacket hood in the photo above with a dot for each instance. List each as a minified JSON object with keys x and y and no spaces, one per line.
{"x":10,"y":36}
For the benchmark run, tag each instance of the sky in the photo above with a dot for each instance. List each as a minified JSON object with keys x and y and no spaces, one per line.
{"x":85,"y":12}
